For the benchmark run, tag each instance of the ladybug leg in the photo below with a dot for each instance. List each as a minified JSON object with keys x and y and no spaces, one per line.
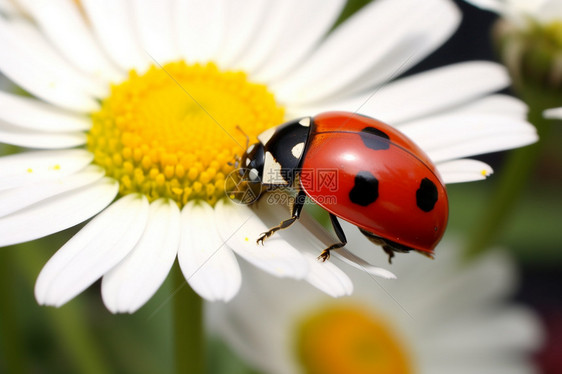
{"x":296,"y":212}
{"x":341,"y":236}
{"x":389,"y":251}
{"x":389,"y":247}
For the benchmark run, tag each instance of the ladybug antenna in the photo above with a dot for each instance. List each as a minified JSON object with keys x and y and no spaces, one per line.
{"x":236,"y":161}
{"x":246,"y":135}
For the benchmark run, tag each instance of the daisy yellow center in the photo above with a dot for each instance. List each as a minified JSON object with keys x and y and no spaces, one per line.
{"x":175,"y":131}
{"x":345,"y":339}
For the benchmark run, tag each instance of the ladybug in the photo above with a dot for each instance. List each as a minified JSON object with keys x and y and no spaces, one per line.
{"x":358,"y":169}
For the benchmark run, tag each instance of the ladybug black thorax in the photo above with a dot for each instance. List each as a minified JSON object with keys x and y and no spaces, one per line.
{"x":284,"y":148}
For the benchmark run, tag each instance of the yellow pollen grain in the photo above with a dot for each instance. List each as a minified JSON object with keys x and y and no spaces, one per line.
{"x":169,"y":132}
{"x":344,"y":338}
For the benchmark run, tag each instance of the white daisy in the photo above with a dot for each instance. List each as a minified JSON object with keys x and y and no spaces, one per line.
{"x":159,"y":140}
{"x":440,"y":317}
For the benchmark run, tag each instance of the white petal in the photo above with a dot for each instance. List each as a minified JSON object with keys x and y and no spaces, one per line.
{"x":467,"y":135}
{"x":26,"y":58}
{"x":464,"y":170}
{"x":155,"y":30}
{"x":482,"y":365}
{"x":16,"y":199}
{"x":132,"y":282}
{"x":424,"y":93}
{"x":38,"y":49}
{"x":314,"y":228}
{"x":486,"y":281}
{"x":274,"y":20}
{"x":310,"y":238}
{"x":34,"y":139}
{"x":328,"y":278}
{"x":79,"y":46}
{"x":239,"y":227}
{"x":299,"y":36}
{"x":31,"y":167}
{"x":33,"y":114}
{"x":207,"y":263}
{"x":272,"y":24}
{"x":496,"y":104}
{"x":554,"y":113}
{"x":113,"y":23}
{"x":243,"y":19}
{"x":358,"y":263}
{"x":57,"y":213}
{"x":199,"y":26}
{"x":93,"y":251}
{"x":377,"y":54}
{"x":493,"y":5}
{"x":483,"y":332}
{"x":424,"y":35}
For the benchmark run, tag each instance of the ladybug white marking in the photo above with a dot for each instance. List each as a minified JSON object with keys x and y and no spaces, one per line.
{"x":297,"y":150}
{"x":249,"y":150}
{"x":272,"y":171}
{"x":305,"y":122}
{"x":265,"y":136}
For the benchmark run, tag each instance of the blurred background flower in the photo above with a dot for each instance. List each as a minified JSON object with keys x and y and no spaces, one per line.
{"x":440,"y":317}
{"x":528,"y":40}
{"x":523,"y":12}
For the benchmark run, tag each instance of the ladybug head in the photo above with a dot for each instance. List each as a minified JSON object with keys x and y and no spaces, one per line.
{"x":251,"y":163}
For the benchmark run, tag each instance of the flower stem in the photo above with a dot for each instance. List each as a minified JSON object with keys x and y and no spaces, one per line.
{"x":10,"y":322}
{"x":516,"y":172}
{"x":188,"y":327}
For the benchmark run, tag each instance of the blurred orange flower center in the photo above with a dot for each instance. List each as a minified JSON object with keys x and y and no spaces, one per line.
{"x":344,"y":339}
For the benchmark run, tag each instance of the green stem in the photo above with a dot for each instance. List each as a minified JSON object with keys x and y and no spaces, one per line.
{"x":10,"y":322}
{"x":69,"y":322}
{"x":188,"y":327}
{"x":511,"y":182}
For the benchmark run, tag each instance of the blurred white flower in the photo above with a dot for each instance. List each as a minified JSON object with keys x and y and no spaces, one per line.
{"x":523,"y":11}
{"x":554,"y":113}
{"x":160,"y":138}
{"x":528,"y":40}
{"x":439,"y":317}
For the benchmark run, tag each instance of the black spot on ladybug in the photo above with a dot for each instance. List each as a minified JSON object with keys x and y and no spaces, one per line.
{"x":375,"y":138}
{"x":365,"y":189}
{"x":426,"y":195}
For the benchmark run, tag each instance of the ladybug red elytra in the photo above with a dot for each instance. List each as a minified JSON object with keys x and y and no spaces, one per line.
{"x":376,"y":178}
